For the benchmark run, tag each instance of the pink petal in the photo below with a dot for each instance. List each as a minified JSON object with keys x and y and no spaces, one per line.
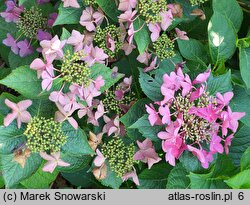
{"x":46,"y":156}
{"x":50,"y":166}
{"x":25,"y":117}
{"x":9,"y":118}
{"x":73,"y":122}
{"x":11,"y":105}
{"x":61,"y":163}
{"x":23,"y":105}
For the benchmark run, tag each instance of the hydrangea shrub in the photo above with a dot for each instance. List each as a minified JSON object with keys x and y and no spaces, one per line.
{"x":124,"y":94}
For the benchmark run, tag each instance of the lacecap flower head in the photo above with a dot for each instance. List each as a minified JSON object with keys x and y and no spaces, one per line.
{"x":119,"y":156}
{"x":44,"y":135}
{"x":194,"y":120}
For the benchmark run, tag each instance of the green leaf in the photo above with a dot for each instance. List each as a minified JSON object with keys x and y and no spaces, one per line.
{"x":221,"y":162}
{"x":10,"y":138}
{"x":110,"y":8}
{"x":68,"y":15}
{"x":40,"y":179}
{"x":220,"y":83}
{"x":240,"y":181}
{"x":106,"y":73}
{"x":111,"y":180}
{"x":190,"y":162}
{"x":231,"y":9}
{"x":167,"y":66}
{"x":77,"y":143}
{"x":142,"y":37}
{"x":6,"y":27}
{"x":156,"y":177}
{"x":2,"y":184}
{"x":222,"y":38}
{"x":150,"y":86}
{"x":193,"y":50}
{"x":215,"y":178}
{"x":187,"y":17}
{"x":43,"y":108}
{"x":135,"y":112}
{"x":128,"y":65}
{"x":177,"y":178}
{"x":245,"y":160}
{"x":77,"y":162}
{"x":206,"y":181}
{"x":22,"y":78}
{"x":13,"y":173}
{"x":27,"y":2}
{"x":240,"y":103}
{"x":82,"y":178}
{"x":22,"y":1}
{"x":16,"y":61}
{"x":245,"y":67}
{"x":240,"y":143}
{"x":4,"y":72}
{"x":243,"y":42}
{"x":144,"y":127}
{"x":1,"y":119}
{"x":65,"y":35}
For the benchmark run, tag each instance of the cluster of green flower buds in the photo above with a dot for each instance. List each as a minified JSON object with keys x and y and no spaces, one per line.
{"x":164,"y":47}
{"x":89,"y":2}
{"x":111,"y":104}
{"x":119,"y":156}
{"x":197,"y":2}
{"x":205,"y":99}
{"x":74,"y":70}
{"x":44,"y":135}
{"x":102,"y":35}
{"x":31,"y":21}
{"x":150,"y":9}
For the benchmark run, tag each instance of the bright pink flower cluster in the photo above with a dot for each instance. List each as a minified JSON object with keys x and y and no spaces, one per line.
{"x":194,"y":120}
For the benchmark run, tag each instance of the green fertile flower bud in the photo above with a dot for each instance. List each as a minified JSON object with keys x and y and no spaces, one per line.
{"x":112,"y":104}
{"x":164,"y":47}
{"x":102,"y":39}
{"x":31,"y":21}
{"x":74,"y":70}
{"x":150,"y":10}
{"x":197,"y":2}
{"x":119,"y":155}
{"x":89,"y":2}
{"x":44,"y":135}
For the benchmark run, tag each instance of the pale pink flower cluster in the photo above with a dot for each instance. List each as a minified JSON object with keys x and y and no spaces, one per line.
{"x":90,"y":18}
{"x":68,"y":103}
{"x":193,"y":119}
{"x":53,"y":50}
{"x":12,"y":12}
{"x":127,"y":19}
{"x":71,"y":3}
{"x":147,"y":153}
